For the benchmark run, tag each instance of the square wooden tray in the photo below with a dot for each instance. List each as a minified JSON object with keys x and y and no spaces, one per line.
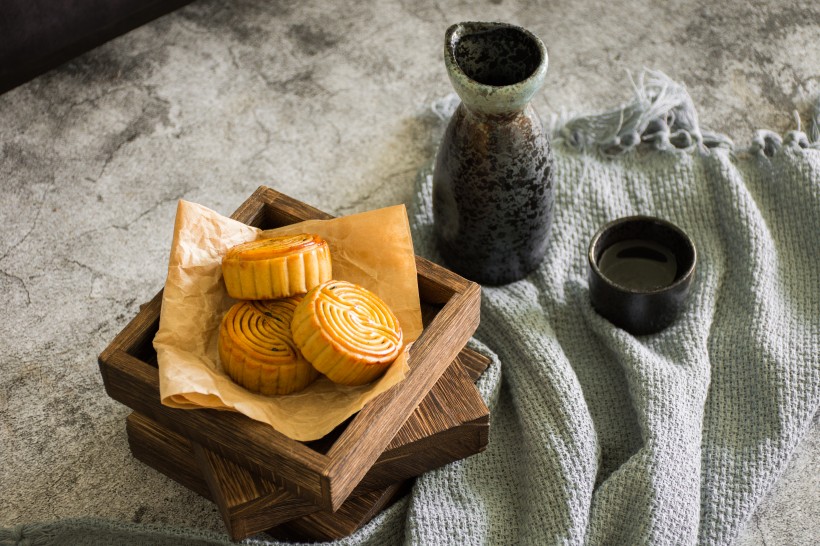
{"x":450,"y":423}
{"x":325,"y":472}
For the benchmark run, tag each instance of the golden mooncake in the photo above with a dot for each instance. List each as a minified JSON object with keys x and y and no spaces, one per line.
{"x":257,"y":350}
{"x":277,"y":267}
{"x":347,"y":332}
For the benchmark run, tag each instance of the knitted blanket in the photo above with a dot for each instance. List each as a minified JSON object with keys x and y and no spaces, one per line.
{"x":600,"y":437}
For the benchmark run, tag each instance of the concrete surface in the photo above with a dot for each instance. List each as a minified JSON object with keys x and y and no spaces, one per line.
{"x":327,"y":102}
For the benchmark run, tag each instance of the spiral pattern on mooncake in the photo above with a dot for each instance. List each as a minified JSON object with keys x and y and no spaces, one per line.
{"x":257,"y":349}
{"x":276,"y":267}
{"x":347,"y":332}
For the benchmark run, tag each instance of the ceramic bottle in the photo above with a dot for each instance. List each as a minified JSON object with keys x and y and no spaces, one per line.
{"x":493,"y":179}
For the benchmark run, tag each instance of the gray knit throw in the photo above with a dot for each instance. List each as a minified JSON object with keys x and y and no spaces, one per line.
{"x":600,"y":437}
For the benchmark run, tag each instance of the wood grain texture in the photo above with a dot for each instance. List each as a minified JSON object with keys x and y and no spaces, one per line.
{"x":450,"y":424}
{"x":437,"y":284}
{"x":326,"y":476}
{"x":355,"y":512}
{"x":248,"y":502}
{"x":474,"y":363}
{"x":166,"y":451}
{"x":138,"y":335}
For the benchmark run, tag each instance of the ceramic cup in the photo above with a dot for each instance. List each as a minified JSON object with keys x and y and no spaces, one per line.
{"x":640,"y":271}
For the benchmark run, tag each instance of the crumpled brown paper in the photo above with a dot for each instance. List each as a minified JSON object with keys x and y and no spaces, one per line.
{"x":373,"y":249}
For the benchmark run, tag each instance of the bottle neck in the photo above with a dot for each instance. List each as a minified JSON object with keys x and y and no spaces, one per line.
{"x":494,"y":117}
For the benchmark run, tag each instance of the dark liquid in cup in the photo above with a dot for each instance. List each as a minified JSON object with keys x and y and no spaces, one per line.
{"x":637,"y":264}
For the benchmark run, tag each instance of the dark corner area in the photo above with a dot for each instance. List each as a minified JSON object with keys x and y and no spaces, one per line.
{"x":39,"y":35}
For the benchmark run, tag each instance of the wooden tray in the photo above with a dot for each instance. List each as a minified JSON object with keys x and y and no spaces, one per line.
{"x":450,"y":423}
{"x":325,"y":472}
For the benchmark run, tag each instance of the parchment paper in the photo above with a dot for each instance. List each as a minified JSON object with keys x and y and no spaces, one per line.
{"x":373,"y":249}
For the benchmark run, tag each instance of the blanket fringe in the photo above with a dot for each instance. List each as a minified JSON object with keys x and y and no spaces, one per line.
{"x":661,"y":115}
{"x":28,"y":535}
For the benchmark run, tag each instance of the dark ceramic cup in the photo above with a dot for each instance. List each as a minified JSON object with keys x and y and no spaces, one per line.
{"x":640,"y":271}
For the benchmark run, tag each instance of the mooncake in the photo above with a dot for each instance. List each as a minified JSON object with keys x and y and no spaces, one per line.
{"x":276,"y":267}
{"x":257,"y":350}
{"x":347,"y":332}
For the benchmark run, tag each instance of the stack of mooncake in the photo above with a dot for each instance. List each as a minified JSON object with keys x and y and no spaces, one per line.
{"x":296,"y":321}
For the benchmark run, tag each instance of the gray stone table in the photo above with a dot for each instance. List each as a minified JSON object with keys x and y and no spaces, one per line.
{"x":327,"y":102}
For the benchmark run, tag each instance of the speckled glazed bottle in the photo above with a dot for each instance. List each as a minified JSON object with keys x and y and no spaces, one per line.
{"x":492,"y":184}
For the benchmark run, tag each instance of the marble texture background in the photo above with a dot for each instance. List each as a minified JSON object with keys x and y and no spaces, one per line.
{"x":329,"y":103}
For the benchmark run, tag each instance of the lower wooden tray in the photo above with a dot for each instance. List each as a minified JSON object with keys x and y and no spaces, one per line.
{"x":451,"y":423}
